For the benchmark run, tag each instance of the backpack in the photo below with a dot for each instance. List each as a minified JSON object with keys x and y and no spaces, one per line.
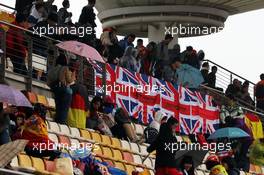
{"x":150,"y":134}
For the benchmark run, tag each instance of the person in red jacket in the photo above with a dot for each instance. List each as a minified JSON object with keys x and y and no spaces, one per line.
{"x":16,"y":47}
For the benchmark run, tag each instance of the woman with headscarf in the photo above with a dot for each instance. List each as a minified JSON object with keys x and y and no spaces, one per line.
{"x":165,"y":157}
{"x":129,"y":61}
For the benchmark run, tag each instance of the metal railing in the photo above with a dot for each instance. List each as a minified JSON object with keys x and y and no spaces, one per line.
{"x":41,"y":54}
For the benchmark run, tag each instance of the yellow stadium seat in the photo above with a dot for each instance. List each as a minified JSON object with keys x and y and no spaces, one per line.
{"x":42,"y":100}
{"x":85,"y":134}
{"x":97,"y":150}
{"x":96,"y":137}
{"x":106,"y":140}
{"x":14,"y":162}
{"x":38,"y":164}
{"x":51,"y":103}
{"x":107,"y":152}
{"x":117,"y":154}
{"x":120,"y":166}
{"x":129,"y":169}
{"x":24,"y":161}
{"x":116,"y":143}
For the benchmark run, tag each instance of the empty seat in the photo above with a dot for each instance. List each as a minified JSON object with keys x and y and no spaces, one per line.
{"x":64,"y":141}
{"x":24,"y":161}
{"x":139,"y":129}
{"x":148,"y":163}
{"x":129,"y":169}
{"x":116,"y":143}
{"x":54,"y":138}
{"x":134,"y":147}
{"x":117,"y":154}
{"x":42,"y":100}
{"x":120,"y":166}
{"x":50,"y":166}
{"x":242,"y":173}
{"x":153,"y":162}
{"x":75,"y":132}
{"x":97,"y":150}
{"x":106,"y":140}
{"x":125,"y":145}
{"x":38,"y":164}
{"x":143,"y":150}
{"x":96,"y":137}
{"x":75,"y":143}
{"x":14,"y":162}
{"x":85,"y":134}
{"x":51,"y":103}
{"x":107,"y":152}
{"x":128,"y":156}
{"x":137,"y":159}
{"x":199,"y":172}
{"x":54,"y":127}
{"x":64,"y":129}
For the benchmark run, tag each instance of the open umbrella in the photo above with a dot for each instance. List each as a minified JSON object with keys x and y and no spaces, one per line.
{"x":10,"y":150}
{"x":230,"y":132}
{"x":196,"y":155}
{"x":81,"y":49}
{"x":13,"y":96}
{"x":189,"y":76}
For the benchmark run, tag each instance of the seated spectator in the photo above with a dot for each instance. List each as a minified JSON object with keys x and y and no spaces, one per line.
{"x":151,"y":132}
{"x":213,"y":165}
{"x":233,"y":90}
{"x":175,"y":52}
{"x":16,"y":48}
{"x":170,"y":73}
{"x":37,"y":14}
{"x":127,"y":41}
{"x":128,"y":61}
{"x":259,"y":93}
{"x":205,"y":72}
{"x":59,"y":80}
{"x":19,"y":122}
{"x":212,"y":77}
{"x":187,"y":166}
{"x":200,"y":56}
{"x":230,"y":166}
{"x":165,"y":160}
{"x":63,"y":13}
{"x":245,"y":96}
{"x":35,"y":131}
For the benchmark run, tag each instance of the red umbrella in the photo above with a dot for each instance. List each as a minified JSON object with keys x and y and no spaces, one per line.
{"x":81,"y":49}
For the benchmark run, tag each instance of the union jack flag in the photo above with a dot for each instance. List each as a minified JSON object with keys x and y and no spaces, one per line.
{"x":197,"y":114}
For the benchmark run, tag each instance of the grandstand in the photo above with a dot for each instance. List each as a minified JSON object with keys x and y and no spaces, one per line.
{"x":122,"y":154}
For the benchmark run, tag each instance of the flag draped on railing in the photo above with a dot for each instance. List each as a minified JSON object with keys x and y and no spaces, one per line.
{"x":141,"y":96}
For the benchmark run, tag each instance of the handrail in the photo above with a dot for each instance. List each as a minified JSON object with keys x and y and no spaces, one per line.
{"x":229,"y":71}
{"x":28,"y":31}
{"x":7,"y":6}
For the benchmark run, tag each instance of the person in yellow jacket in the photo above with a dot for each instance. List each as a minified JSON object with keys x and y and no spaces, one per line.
{"x":256,"y":153}
{"x":213,"y":165}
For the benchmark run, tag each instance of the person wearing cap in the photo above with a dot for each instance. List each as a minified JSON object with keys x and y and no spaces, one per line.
{"x":163,"y":55}
{"x":213,"y":165}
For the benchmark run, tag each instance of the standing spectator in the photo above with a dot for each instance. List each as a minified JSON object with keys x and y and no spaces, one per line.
{"x":170,"y":73}
{"x":189,"y":56}
{"x":16,"y":48}
{"x":150,"y":60}
{"x":175,"y":52}
{"x":59,"y":80}
{"x":212,"y":77}
{"x":63,"y":13}
{"x":205,"y":72}
{"x":200,"y":56}
{"x":23,"y":6}
{"x":129,"y":61}
{"x":230,"y":166}
{"x":259,"y":93}
{"x":245,"y":96}
{"x":165,"y":158}
{"x":140,"y":43}
{"x":127,"y":41}
{"x":87,"y":17}
{"x":37,"y":14}
{"x":163,"y":55}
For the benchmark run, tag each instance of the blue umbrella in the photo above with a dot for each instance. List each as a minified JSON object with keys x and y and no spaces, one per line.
{"x":189,"y":76}
{"x":230,"y":133}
